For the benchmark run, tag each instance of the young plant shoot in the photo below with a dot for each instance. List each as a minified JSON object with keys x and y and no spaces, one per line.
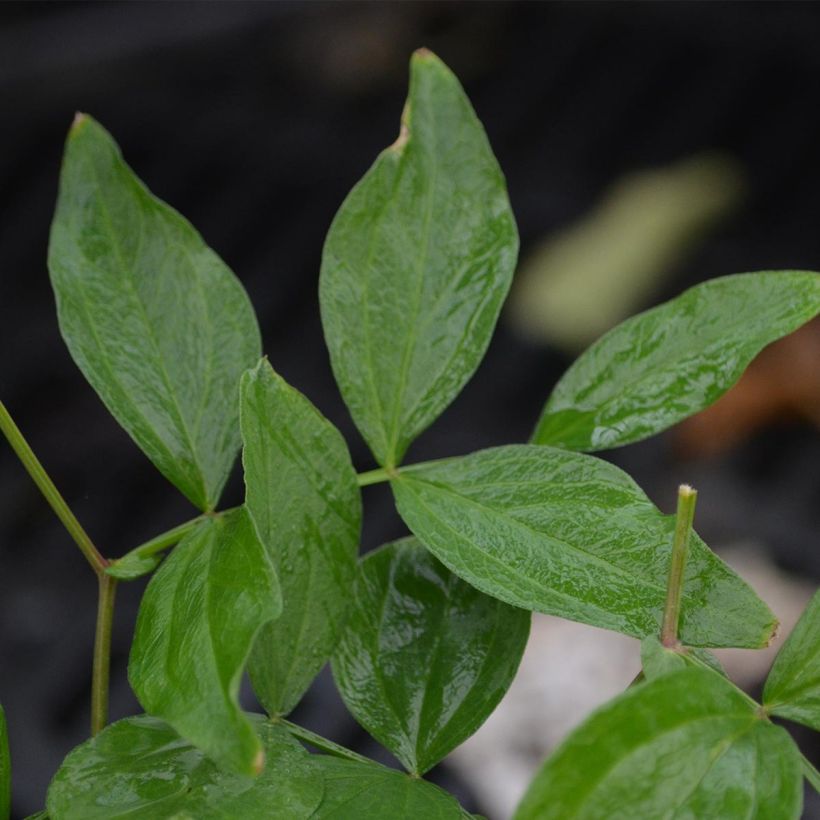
{"x":424,"y":634}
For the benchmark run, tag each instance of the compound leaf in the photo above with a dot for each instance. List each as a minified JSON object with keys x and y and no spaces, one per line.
{"x":686,"y":745}
{"x":426,"y":657}
{"x":571,"y":535}
{"x":197,"y":622}
{"x":156,"y":321}
{"x":301,"y":491}
{"x":416,"y":266}
{"x":665,"y":364}
{"x":368,"y":791}
{"x":140,"y":769}
{"x":793,"y":686}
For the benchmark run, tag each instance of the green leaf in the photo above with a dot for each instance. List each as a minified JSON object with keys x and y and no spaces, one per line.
{"x":141,"y":769}
{"x":5,"y":769}
{"x":793,"y":686}
{"x":368,"y":791}
{"x":302,"y":493}
{"x":196,"y":625}
{"x":659,"y":367}
{"x":657,"y":660}
{"x":686,"y":745}
{"x":426,"y":657}
{"x":416,"y":266}
{"x":155,"y":320}
{"x":571,"y":535}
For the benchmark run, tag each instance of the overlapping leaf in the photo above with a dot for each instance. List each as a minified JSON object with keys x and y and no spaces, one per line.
{"x":302,"y":493}
{"x":158,"y":324}
{"x":197,"y":622}
{"x":657,"y":660}
{"x":659,"y":367}
{"x":686,"y":745}
{"x":793,"y":686}
{"x":416,"y":266}
{"x":368,"y":791}
{"x":139,"y":768}
{"x":5,"y":768}
{"x":426,"y":657}
{"x":571,"y":535}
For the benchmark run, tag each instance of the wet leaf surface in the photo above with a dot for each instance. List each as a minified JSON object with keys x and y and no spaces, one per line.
{"x":426,"y":657}
{"x":665,"y":364}
{"x":197,"y":622}
{"x":416,"y":266}
{"x":301,"y":491}
{"x":686,"y":745}
{"x":156,"y":321}
{"x":141,"y":769}
{"x":571,"y":535}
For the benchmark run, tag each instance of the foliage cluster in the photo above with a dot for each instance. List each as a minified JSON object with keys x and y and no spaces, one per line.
{"x":424,"y":634}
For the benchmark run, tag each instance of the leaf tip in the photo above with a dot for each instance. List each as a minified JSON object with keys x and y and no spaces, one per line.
{"x":424,"y":54}
{"x":80,"y":119}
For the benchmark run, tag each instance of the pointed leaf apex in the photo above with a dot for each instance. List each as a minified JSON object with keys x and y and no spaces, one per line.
{"x":424,"y":54}
{"x":79,"y":120}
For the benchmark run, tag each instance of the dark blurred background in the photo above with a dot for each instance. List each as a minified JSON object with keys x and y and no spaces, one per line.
{"x":256,"y":119}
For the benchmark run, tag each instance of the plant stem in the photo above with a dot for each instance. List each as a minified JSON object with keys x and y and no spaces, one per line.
{"x":680,"y":548}
{"x":102,"y":653}
{"x":164,"y":540}
{"x":322,"y":742}
{"x":373,"y":477}
{"x":26,"y":455}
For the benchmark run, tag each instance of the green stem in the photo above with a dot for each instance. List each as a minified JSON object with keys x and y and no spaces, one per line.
{"x":164,"y":540}
{"x":26,"y":455}
{"x":811,"y":773}
{"x":374,"y":476}
{"x":322,"y":742}
{"x":102,"y":653}
{"x":680,"y":548}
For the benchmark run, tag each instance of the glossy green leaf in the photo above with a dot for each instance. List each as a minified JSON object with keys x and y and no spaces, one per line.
{"x":158,"y":324}
{"x":426,"y":657}
{"x":368,"y":791}
{"x":301,"y":491}
{"x":686,"y":745}
{"x":657,"y":660}
{"x":571,"y":535}
{"x":196,"y":625}
{"x":793,"y":686}
{"x":416,"y":266}
{"x":140,"y":769}
{"x":5,"y":769}
{"x":661,"y":366}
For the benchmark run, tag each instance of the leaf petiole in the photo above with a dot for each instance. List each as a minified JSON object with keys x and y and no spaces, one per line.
{"x":375,"y":476}
{"x":320,"y":742}
{"x":136,"y":562}
{"x":680,"y":549}
{"x":46,"y":486}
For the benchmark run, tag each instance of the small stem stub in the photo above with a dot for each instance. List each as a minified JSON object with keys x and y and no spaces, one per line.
{"x":687,"y":497}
